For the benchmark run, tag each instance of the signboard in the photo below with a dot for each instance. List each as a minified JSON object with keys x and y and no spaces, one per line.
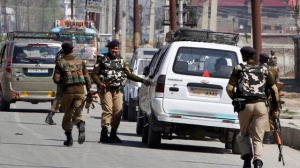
{"x":94,"y":7}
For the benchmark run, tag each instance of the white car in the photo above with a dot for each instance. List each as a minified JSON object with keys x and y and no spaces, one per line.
{"x":187,"y":98}
{"x":140,"y":59}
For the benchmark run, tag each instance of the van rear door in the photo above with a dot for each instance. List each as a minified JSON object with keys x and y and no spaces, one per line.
{"x":33,"y":66}
{"x":196,"y":83}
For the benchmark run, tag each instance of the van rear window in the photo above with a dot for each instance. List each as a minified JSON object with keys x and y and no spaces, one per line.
{"x":212,"y":62}
{"x":32,"y":54}
{"x":149,"y":52}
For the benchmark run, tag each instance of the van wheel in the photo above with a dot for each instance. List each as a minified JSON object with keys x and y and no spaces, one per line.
{"x":154,"y":137}
{"x":235,"y":147}
{"x":125,"y":111}
{"x":145,"y":131}
{"x":131,"y":111}
{"x":139,"y":122}
{"x":4,"y":106}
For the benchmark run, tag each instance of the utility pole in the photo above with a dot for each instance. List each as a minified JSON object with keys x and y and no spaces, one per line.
{"x":17,"y":20}
{"x":5,"y":16}
{"x":180,"y":14}
{"x":72,"y":8}
{"x":109,"y":27}
{"x":103,"y":23}
{"x":205,"y":14}
{"x":28,"y":16}
{"x":256,"y":28}
{"x":123,"y":33}
{"x":86,"y":11}
{"x":117,"y":20}
{"x":152,"y":22}
{"x":136,"y":36}
{"x":166,"y":27}
{"x":43,"y":11}
{"x":213,"y":15}
{"x":173,"y":16}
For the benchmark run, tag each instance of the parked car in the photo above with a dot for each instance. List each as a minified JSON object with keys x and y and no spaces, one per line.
{"x":27,"y":65}
{"x":187,"y":98}
{"x":140,"y":59}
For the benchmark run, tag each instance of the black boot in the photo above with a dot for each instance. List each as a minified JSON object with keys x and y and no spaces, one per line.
{"x":69,"y":141}
{"x":81,"y":132}
{"x":104,"y":137}
{"x":49,"y":119}
{"x":257,"y":163}
{"x":114,"y":137}
{"x":247,"y":160}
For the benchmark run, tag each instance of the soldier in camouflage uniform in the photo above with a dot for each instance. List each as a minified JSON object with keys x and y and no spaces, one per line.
{"x":253,"y":116}
{"x":56,"y":102}
{"x":73,"y":75}
{"x":110,"y":73}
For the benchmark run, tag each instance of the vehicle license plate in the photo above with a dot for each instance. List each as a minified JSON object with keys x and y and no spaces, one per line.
{"x":37,"y":70}
{"x":195,"y":91}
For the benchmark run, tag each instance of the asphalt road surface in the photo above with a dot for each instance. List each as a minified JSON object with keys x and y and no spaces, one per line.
{"x":26,"y":141}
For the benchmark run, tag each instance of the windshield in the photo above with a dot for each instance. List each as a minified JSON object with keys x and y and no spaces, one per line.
{"x":85,"y":39}
{"x":142,"y":64}
{"x":196,"y":61}
{"x":35,"y":53}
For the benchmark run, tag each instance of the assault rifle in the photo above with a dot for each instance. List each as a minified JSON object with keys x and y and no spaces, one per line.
{"x":91,"y":98}
{"x":276,"y":123}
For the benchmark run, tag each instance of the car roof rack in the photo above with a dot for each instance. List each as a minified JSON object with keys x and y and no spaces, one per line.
{"x":30,"y":35}
{"x":200,"y":35}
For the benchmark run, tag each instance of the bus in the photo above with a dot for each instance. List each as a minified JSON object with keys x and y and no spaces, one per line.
{"x":87,"y":42}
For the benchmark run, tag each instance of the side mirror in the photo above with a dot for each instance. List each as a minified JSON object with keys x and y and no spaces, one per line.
{"x":146,"y":71}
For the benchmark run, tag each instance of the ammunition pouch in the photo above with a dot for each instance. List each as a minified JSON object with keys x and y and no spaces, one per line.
{"x":239,"y":105}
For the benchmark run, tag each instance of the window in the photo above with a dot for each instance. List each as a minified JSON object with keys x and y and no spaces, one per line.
{"x":267,"y":27}
{"x":195,"y":61}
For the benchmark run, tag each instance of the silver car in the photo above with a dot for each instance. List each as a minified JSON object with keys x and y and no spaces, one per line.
{"x":27,"y":67}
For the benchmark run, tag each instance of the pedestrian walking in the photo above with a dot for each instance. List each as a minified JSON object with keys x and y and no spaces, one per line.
{"x":110,"y":73}
{"x":247,"y":85}
{"x":73,"y":75}
{"x":57,"y":100}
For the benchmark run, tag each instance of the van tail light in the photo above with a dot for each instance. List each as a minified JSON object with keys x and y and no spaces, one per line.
{"x":160,"y":85}
{"x":8,"y":65}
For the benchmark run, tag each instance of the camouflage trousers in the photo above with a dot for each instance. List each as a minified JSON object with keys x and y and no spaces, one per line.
{"x":253,"y":120}
{"x":57,"y":101}
{"x":111,"y":104}
{"x":73,"y":105}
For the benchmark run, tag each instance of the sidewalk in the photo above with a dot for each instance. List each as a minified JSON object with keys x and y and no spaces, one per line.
{"x":290,"y":116}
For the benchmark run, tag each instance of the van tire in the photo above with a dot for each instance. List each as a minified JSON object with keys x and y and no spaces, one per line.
{"x":235,"y":147}
{"x":139,"y":122}
{"x":154,"y":137}
{"x":145,"y":132}
{"x":131,"y":111}
{"x":4,"y":106}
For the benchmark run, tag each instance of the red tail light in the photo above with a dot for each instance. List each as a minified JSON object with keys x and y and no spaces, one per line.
{"x":160,"y":86}
{"x":8,"y":65}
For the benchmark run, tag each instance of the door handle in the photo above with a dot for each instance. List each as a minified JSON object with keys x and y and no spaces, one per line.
{"x":175,"y":89}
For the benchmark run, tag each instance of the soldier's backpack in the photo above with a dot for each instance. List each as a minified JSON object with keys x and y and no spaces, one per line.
{"x":72,"y":71}
{"x":252,"y":81}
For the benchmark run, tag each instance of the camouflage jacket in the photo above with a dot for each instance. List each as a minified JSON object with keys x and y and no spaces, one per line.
{"x":100,"y":69}
{"x":270,"y":84}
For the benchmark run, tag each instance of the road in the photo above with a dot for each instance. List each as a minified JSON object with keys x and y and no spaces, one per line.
{"x":27,"y":142}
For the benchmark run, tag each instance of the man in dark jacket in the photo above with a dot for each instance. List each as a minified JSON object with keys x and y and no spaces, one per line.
{"x":73,"y":75}
{"x":110,"y":73}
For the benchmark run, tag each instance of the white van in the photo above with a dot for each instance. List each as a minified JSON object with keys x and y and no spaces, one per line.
{"x":140,"y":59}
{"x":187,"y":98}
